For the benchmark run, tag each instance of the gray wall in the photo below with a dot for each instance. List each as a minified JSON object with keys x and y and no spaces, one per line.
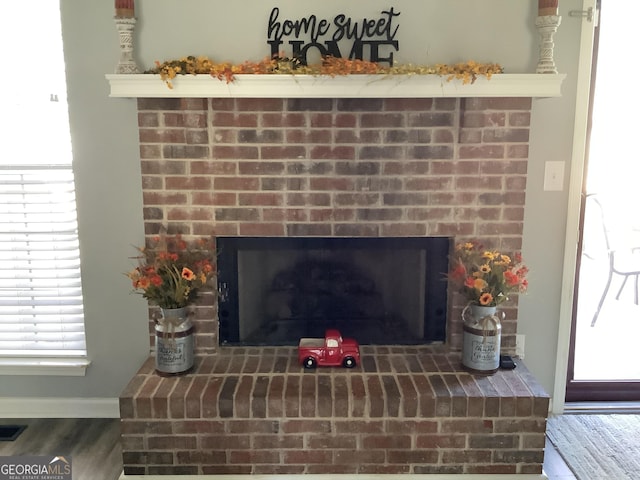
{"x":106,"y":149}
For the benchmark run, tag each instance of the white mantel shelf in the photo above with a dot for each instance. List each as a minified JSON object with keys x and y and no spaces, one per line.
{"x":348,"y":86}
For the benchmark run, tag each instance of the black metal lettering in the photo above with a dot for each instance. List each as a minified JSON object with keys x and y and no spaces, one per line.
{"x":300,"y":52}
{"x":274,"y":26}
{"x":275,"y":47}
{"x":307,"y":25}
{"x":374,"y":50}
{"x":333,"y":49}
{"x":356,"y":50}
{"x":388,"y":25}
{"x":307,"y":32}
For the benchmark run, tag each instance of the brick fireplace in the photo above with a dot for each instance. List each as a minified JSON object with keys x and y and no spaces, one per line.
{"x":453,"y":167}
{"x":322,"y":167}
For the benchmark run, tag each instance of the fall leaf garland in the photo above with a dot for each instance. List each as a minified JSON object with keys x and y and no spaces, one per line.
{"x":467,"y":72}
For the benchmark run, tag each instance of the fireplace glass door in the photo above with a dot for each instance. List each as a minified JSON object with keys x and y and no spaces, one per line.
{"x":380,"y":291}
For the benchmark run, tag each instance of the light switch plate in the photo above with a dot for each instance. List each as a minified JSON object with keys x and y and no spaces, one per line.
{"x":520,"y":345}
{"x":553,"y":175}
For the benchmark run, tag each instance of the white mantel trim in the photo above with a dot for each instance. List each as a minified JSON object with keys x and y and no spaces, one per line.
{"x":348,"y":86}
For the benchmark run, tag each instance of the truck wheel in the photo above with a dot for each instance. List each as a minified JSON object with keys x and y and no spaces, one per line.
{"x":309,"y":362}
{"x":349,"y":362}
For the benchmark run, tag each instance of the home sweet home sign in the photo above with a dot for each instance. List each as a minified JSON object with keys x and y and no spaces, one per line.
{"x":372,"y":39}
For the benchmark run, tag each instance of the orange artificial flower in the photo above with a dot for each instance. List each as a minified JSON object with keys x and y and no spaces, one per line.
{"x":170,"y":273}
{"x":486,"y":277}
{"x":486,"y":299}
{"x":187,"y":274}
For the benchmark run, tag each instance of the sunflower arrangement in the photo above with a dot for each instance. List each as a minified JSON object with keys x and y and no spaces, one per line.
{"x":467,"y":72}
{"x":487,"y":277}
{"x":170,"y":271}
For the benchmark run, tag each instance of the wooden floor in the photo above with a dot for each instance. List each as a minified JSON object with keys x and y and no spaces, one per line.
{"x":94,"y":446}
{"x":554,"y":465}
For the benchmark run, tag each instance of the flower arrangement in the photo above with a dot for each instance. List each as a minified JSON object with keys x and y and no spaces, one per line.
{"x":170,"y":271}
{"x":487,"y":277}
{"x":332,"y":66}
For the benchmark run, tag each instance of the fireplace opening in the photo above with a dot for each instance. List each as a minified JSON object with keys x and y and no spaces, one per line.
{"x":380,"y":291}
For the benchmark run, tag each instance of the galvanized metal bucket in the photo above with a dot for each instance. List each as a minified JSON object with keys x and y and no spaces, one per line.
{"x":481,"y":336}
{"x":174,"y":342}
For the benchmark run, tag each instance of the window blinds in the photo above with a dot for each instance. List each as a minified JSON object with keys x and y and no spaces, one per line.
{"x":41,"y":312}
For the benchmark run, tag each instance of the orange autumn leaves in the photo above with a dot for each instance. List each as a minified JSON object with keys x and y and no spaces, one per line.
{"x":468,"y":72}
{"x":192,"y":65}
{"x":170,"y":272}
{"x":487,"y":277}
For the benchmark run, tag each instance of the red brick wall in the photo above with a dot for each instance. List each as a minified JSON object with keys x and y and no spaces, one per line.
{"x":337,"y":167}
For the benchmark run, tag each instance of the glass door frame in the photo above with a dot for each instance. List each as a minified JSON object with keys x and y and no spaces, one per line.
{"x":591,"y":390}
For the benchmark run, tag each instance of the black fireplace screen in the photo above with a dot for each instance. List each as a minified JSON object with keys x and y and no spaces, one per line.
{"x":380,"y":291}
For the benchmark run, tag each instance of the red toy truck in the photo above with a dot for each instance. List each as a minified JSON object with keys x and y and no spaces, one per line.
{"x":330,"y":351}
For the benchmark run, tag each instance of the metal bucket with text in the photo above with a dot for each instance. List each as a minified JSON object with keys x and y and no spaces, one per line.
{"x":481,"y":336}
{"x":174,"y":342}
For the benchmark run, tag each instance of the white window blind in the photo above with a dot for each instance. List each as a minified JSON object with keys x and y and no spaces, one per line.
{"x":41,"y":307}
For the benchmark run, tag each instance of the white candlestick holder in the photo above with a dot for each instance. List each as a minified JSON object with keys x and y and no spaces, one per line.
{"x":125,"y":27}
{"x":547,"y":26}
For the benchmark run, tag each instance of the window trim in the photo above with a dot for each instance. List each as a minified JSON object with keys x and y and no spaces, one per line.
{"x":50,"y":366}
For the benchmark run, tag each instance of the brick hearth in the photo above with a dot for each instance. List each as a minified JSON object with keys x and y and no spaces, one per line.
{"x":404,"y":410}
{"x":453,"y":167}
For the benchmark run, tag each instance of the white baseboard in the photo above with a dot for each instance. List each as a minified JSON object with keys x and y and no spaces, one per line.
{"x":50,"y":407}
